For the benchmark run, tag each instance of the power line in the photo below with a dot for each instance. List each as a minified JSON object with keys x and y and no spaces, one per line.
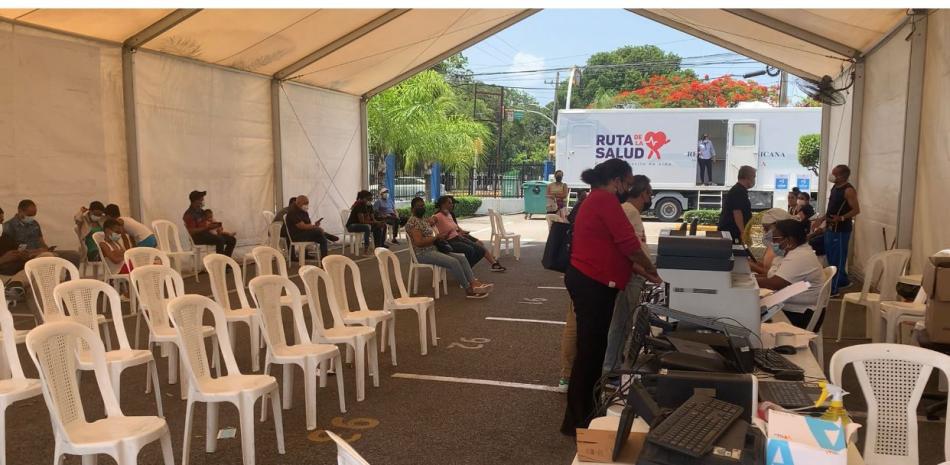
{"x":687,"y":61}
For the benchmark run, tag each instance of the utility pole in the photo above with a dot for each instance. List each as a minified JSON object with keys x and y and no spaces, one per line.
{"x":570,"y":87}
{"x":783,"y":90}
{"x":501,"y":124}
{"x":557,"y":82}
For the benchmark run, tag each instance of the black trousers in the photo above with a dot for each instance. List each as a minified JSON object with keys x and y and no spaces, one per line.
{"x":593,"y":310}
{"x":801,"y":319}
{"x":393,"y":223}
{"x":222,"y":244}
{"x":705,"y":169}
{"x":473,"y":253}
{"x":313,"y":235}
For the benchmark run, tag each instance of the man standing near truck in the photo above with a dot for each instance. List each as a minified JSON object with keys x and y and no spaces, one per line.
{"x":705,"y":151}
{"x":736,"y":207}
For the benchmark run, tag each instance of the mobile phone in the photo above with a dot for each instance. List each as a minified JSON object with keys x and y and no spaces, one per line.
{"x":321,"y":219}
{"x":21,"y":247}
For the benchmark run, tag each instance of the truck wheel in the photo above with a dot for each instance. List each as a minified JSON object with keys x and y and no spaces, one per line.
{"x":668,"y":210}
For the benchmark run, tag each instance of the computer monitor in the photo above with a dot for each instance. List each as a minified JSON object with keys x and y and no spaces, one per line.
{"x":638,"y":336}
{"x":639,"y":404}
{"x":675,"y":387}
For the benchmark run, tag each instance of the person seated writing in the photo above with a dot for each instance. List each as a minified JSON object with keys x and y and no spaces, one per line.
{"x":769,"y":260}
{"x":799,"y":263}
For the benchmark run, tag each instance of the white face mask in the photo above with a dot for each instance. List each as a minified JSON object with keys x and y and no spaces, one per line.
{"x":832,"y":179}
{"x":801,"y":202}
{"x":305,"y":207}
{"x":28,"y":219}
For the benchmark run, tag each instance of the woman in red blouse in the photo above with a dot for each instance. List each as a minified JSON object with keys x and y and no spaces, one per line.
{"x":605,"y":250}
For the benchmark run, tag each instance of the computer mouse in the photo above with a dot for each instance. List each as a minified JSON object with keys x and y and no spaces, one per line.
{"x":785,"y":350}
{"x":789,"y":375}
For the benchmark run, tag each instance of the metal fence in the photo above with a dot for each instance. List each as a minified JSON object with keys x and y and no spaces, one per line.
{"x":486,"y":180}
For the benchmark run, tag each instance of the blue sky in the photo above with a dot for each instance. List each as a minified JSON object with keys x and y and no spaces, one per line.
{"x":556,"y":38}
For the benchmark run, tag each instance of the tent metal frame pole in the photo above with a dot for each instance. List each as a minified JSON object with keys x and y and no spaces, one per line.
{"x":722,"y":43}
{"x":824,"y":156}
{"x":276,"y":143}
{"x":364,"y":144}
{"x":452,"y":51}
{"x":857,"y":121}
{"x":378,"y":22}
{"x":912,"y":117}
{"x":128,"y":98}
{"x":795,"y":31}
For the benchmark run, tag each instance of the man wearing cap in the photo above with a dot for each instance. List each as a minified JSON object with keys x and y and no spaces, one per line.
{"x":199,"y":228}
{"x":386,"y":212}
{"x":769,"y":260}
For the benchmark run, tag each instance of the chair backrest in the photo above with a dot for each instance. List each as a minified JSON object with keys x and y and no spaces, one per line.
{"x":336,"y":266}
{"x":273,"y":235}
{"x":311,"y":277}
{"x":491,"y":220}
{"x":266,"y":292}
{"x":154,"y":286}
{"x":141,"y":256}
{"x":78,"y":299}
{"x":411,"y":248}
{"x":186,"y":313}
{"x":44,"y":274}
{"x":894,"y":265}
{"x":166,"y":233}
{"x":9,"y":337}
{"x":824,"y":295}
{"x":387,"y":260}
{"x":53,"y":347}
{"x":499,"y":223}
{"x":345,"y":454}
{"x":112,"y":269}
{"x":344,"y":215}
{"x":268,"y":216}
{"x":217,"y":266}
{"x":264,"y":258}
{"x":892,"y":379}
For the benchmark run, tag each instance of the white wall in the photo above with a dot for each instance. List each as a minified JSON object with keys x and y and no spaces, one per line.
{"x":320,"y":150}
{"x":62,"y":140}
{"x":203,"y":128}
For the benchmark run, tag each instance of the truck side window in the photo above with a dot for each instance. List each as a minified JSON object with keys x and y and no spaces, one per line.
{"x":743,"y":135}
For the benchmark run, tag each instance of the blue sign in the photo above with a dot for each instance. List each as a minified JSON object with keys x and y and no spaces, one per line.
{"x":781,"y":182}
{"x":804,"y":183}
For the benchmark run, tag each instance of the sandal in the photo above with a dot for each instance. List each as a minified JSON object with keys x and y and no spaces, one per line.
{"x":496,"y":267}
{"x":476,"y":295}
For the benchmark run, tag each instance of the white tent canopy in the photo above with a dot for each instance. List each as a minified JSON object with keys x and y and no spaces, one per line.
{"x":227,"y":99}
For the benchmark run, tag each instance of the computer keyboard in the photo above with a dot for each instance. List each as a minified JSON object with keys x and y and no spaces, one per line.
{"x":788,"y":394}
{"x":772,"y":361}
{"x":694,"y":427}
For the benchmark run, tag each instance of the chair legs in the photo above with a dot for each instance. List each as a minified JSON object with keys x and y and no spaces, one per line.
{"x":338,"y":368}
{"x":421,"y":313}
{"x":431,"y":312}
{"x":841,"y":319}
{"x":186,"y":442}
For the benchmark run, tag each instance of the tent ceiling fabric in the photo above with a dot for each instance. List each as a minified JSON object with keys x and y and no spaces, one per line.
{"x":266,"y":41}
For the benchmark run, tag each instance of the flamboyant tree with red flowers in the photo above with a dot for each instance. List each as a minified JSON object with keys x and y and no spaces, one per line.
{"x":672,"y":91}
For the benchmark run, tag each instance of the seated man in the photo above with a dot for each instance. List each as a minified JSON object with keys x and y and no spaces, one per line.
{"x":199,"y":228}
{"x":386,"y":212}
{"x":12,"y":261}
{"x":26,"y":231}
{"x":141,"y":235}
{"x":302,"y":229}
{"x":362,"y":220}
{"x":799,"y":263}
{"x":89,"y":221}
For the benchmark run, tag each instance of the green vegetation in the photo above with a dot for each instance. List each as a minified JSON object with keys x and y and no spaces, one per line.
{"x":809,"y":149}
{"x":704,"y":216}
{"x":464,"y":206}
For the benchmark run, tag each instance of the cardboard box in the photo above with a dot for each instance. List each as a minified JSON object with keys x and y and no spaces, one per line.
{"x":594,"y":445}
{"x":936,"y":283}
{"x":801,"y":440}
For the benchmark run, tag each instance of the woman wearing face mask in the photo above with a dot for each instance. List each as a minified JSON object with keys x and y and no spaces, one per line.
{"x":804,"y":211}
{"x":604,"y":250}
{"x":769,"y":260}
{"x":799,"y":263}
{"x":89,"y":221}
{"x":557,"y":194}
{"x":423,"y":240}
{"x":114,"y":245}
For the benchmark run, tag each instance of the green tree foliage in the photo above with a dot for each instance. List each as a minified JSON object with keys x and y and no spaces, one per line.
{"x":809,"y":148}
{"x":419,"y":120}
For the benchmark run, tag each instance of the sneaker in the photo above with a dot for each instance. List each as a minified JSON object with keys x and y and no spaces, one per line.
{"x":562,"y":385}
{"x":332,"y":237}
{"x":497,"y":268}
{"x":394,"y":241}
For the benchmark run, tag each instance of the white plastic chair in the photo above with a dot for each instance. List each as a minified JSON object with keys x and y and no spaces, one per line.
{"x":45,"y":273}
{"x":84,"y":262}
{"x":186,"y":313}
{"x":353,"y":239}
{"x":169,"y":241}
{"x":78,"y":299}
{"x":53,"y":347}
{"x":143,"y":256}
{"x":881,"y":271}
{"x":345,"y":454}
{"x":15,"y":387}
{"x":248,"y":257}
{"x":893,"y":313}
{"x":311,"y":357}
{"x":892,"y":378}
{"x":499,"y":236}
{"x":265,"y":258}
{"x":439,"y":274}
{"x":155,"y":286}
{"x":358,"y":339}
{"x":300,"y":247}
{"x":423,"y":306}
{"x":336,"y":267}
{"x":821,"y":305}
{"x":217,"y":266}
{"x":117,"y":280}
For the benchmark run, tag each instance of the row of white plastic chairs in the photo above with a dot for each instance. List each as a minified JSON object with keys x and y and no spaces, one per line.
{"x":160,"y":287}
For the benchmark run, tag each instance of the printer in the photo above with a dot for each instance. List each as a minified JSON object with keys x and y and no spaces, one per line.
{"x":707,"y":277}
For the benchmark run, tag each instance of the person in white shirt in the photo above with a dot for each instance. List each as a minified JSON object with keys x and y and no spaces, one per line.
{"x":705,"y":152}
{"x":140,"y":234}
{"x":769,"y":260}
{"x":799,"y":263}
{"x":638,"y":199}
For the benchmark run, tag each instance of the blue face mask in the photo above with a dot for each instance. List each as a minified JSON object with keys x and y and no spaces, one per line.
{"x":777,"y":250}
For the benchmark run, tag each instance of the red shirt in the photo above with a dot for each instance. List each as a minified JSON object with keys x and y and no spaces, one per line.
{"x":603,"y":240}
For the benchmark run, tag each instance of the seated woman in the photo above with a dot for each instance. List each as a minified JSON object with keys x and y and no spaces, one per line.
{"x":423,"y":240}
{"x":459,"y":239}
{"x":114,"y":245}
{"x":799,"y":263}
{"x":769,"y":261}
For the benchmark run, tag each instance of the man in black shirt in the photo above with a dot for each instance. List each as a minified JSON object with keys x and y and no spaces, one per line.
{"x":736,"y":207}
{"x":302,"y":229}
{"x":362,"y":219}
{"x":838,"y":223}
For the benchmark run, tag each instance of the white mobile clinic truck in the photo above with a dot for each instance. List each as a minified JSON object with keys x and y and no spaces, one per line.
{"x":662,"y":144}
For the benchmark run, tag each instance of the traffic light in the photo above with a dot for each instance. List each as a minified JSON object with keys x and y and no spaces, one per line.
{"x":552,"y":145}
